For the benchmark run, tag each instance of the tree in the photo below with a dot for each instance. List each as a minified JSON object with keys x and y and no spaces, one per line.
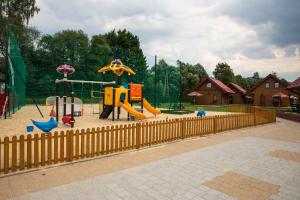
{"x":190,"y":76}
{"x":224,"y":73}
{"x":256,"y":76}
{"x":167,"y":82}
{"x":100,"y":51}
{"x":126,"y":46}
{"x":14,"y":15}
{"x":243,"y":82}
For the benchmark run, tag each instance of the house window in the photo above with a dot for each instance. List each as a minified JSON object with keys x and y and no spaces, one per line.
{"x":276,"y":85}
{"x":267,"y":85}
{"x":208,"y":85}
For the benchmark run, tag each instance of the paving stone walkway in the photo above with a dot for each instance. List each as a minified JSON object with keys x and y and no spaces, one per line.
{"x":186,"y":176}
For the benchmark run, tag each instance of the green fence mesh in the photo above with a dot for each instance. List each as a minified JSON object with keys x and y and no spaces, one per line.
{"x":17,"y":76}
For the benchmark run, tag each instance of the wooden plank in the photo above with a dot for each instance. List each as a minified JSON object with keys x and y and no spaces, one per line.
{"x":102,"y":140}
{"x":112,"y":139}
{"x":116,"y":133}
{"x":150,"y":124}
{"x":36,"y":150}
{"x":151,"y":135}
{"x":62,"y":146}
{"x":55,"y":147}
{"x":88,"y":142}
{"x":129,"y":136}
{"x":160,"y":132}
{"x":71,"y":145}
{"x":133,"y":133}
{"x":125,"y":137}
{"x":98,"y":141}
{"x":146,"y":133}
{"x":142,"y":135}
{"x":14,"y":154}
{"x":121,"y":138}
{"x":93,"y":142}
{"x":107,"y":131}
{"x":171,"y":131}
{"x":29,"y":151}
{"x":21,"y":152}
{"x":6,"y":155}
{"x":177,"y":130}
{"x":43,"y":149}
{"x":164,"y":131}
{"x":77,"y":142}
{"x":82,"y":145}
{"x":68,"y":145}
{"x":138,"y":135}
{"x":156,"y":132}
{"x":49,"y":151}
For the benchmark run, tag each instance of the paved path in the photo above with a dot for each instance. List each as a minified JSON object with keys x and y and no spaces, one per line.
{"x":254,"y":164}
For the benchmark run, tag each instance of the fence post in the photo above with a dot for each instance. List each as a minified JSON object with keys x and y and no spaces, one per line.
{"x":215,"y":123}
{"x":138,"y":135}
{"x":68,"y":145}
{"x":254,"y":118}
{"x":183,"y":128}
{"x":6,"y":155}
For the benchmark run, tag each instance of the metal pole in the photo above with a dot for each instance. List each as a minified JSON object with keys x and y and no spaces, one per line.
{"x":65,"y":99}
{"x":81,"y":81}
{"x":142,"y":101}
{"x":57,"y":101}
{"x":72,"y":110}
{"x":7,"y":80}
{"x":180,"y":87}
{"x":113,"y":104}
{"x":155,"y":100}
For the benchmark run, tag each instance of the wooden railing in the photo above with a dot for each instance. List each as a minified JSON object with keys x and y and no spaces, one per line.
{"x":32,"y":151}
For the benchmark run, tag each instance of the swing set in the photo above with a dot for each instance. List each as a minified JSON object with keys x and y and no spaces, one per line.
{"x":66,"y":70}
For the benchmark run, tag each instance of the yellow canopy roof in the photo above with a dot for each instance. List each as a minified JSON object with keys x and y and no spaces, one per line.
{"x":117,"y":67}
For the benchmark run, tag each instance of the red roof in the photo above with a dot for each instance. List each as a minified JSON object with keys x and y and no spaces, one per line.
{"x":280,"y":94}
{"x":221,"y":85}
{"x":295,"y":84}
{"x":238,"y":88}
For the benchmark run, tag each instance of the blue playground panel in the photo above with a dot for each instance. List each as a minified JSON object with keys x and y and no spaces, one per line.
{"x":201,"y":113}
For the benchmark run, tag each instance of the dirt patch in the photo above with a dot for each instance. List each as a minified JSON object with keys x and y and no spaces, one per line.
{"x":242,"y":187}
{"x":286,"y":155}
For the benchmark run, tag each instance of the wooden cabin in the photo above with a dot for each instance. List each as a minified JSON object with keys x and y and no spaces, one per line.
{"x":270,"y":91}
{"x":213,"y":92}
{"x":239,"y":97}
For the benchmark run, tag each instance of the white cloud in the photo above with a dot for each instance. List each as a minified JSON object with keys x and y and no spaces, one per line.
{"x":191,"y":30}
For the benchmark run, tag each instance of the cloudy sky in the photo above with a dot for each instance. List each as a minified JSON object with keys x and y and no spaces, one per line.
{"x":254,"y":35}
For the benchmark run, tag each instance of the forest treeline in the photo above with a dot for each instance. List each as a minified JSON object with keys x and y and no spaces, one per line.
{"x":43,"y":53}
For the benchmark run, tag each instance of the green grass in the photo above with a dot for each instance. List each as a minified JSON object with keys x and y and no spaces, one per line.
{"x":192,"y":107}
{"x":215,"y":108}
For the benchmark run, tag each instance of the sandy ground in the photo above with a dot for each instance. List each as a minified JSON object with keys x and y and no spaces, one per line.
{"x":16,"y":124}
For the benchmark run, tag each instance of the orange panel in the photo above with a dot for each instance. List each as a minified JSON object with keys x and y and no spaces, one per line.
{"x":136,"y":92}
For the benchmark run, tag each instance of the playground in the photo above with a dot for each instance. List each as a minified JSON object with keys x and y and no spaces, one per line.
{"x":16,"y":125}
{"x":117,"y":103}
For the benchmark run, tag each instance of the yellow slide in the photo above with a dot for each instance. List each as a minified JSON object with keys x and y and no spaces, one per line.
{"x":131,"y":110}
{"x":148,"y":106}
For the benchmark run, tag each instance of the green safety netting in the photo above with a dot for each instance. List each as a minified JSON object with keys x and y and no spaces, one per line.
{"x":17,"y":76}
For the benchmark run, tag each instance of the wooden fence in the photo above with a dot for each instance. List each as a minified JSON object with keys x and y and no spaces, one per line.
{"x":32,"y":151}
